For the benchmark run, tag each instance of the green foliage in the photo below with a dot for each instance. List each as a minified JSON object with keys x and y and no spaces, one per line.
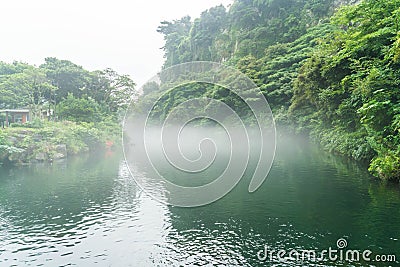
{"x":3,"y":138}
{"x":15,"y":67}
{"x":66,"y":76}
{"x":35,"y":123}
{"x":112,"y":91}
{"x":150,"y":87}
{"x":23,"y":145}
{"x":175,"y":35}
{"x":25,"y":89}
{"x":331,"y":74}
{"x":267,"y":40}
{"x":247,"y":28}
{"x":387,"y":166}
{"x":79,"y":109}
{"x":88,"y":103}
{"x":43,"y":88}
{"x":83,"y":137}
{"x":180,"y":94}
{"x":348,"y":89}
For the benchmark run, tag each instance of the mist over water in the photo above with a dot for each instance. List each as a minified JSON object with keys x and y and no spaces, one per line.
{"x":196,"y":123}
{"x":210,"y":159}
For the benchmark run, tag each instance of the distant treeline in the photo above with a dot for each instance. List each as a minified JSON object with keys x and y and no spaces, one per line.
{"x":70,"y":91}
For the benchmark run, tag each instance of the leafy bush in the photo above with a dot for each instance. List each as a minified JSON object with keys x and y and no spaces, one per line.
{"x":35,"y":123}
{"x":79,"y":109}
{"x":387,"y":167}
{"x":3,"y":138}
{"x":16,"y":125}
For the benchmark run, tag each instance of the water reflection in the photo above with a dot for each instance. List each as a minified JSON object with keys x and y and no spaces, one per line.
{"x":84,"y":211}
{"x":89,"y":211}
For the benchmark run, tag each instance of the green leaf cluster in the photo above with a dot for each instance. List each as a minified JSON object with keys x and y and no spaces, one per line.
{"x":328,"y":68}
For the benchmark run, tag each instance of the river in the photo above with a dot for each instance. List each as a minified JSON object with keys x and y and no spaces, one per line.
{"x":88,"y":211}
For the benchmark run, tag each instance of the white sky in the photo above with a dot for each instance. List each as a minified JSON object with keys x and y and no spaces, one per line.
{"x":96,"y":34}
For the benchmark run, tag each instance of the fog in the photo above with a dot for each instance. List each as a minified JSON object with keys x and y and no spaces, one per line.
{"x":196,"y":164}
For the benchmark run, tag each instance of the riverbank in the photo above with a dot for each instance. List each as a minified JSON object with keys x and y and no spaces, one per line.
{"x":48,"y":141}
{"x":355,"y":145}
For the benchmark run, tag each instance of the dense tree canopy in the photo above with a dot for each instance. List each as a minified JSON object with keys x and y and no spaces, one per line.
{"x":328,"y":68}
{"x":348,"y":93}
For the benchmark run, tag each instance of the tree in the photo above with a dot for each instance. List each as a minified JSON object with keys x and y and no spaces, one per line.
{"x":79,"y":109}
{"x":29,"y":88}
{"x":113,"y":90}
{"x":175,"y":36}
{"x":66,"y":76}
{"x":150,"y":87}
{"x":204,"y":32}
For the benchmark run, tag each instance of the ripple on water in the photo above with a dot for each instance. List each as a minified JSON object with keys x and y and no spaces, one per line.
{"x":92,"y":212}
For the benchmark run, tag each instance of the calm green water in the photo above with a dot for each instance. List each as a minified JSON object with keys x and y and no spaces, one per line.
{"x":87,"y":211}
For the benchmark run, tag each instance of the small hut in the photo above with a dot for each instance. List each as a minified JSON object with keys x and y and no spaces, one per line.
{"x":15,"y":115}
